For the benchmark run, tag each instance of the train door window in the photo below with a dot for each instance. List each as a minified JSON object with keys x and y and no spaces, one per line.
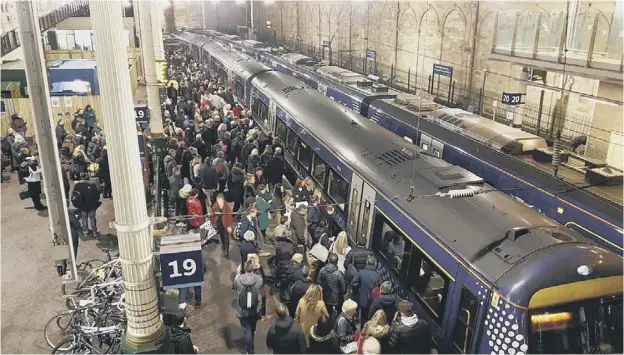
{"x":319,"y":170}
{"x":264,"y":112}
{"x":424,"y":280}
{"x":366,"y":218}
{"x":281,"y":130}
{"x":355,"y":198}
{"x":436,"y":153}
{"x":337,"y":189}
{"x":425,"y":146}
{"x":304,"y":155}
{"x":465,"y":322}
{"x":291,"y":142}
{"x":239,"y":89}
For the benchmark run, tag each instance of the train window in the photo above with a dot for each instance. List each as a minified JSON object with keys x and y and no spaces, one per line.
{"x":338,"y":189}
{"x":304,"y":155}
{"x":423,"y":279}
{"x":436,"y":152}
{"x":264,"y":113}
{"x":281,"y":130}
{"x":466,"y":320}
{"x":355,"y":198}
{"x":292,"y":142}
{"x":319,"y":170}
{"x":239,"y":90}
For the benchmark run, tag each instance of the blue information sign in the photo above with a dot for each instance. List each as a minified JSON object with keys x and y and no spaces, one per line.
{"x":443,"y":70}
{"x":141,"y":114}
{"x":371,"y":54}
{"x":181,"y":262}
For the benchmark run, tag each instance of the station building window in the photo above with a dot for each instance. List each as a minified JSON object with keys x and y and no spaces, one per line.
{"x":422,"y":277}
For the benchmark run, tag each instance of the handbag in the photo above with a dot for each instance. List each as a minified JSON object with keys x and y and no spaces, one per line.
{"x":207,"y":232}
{"x":24,"y":195}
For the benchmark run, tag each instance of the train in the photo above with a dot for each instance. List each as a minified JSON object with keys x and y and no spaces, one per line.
{"x":489,"y":274}
{"x":494,"y":151}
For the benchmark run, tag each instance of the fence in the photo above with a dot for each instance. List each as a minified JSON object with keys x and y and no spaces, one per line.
{"x":537,"y":118}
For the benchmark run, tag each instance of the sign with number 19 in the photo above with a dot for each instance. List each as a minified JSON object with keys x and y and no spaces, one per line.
{"x":181,"y":261}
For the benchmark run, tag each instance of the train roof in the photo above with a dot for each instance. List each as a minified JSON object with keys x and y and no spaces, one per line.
{"x":490,"y":231}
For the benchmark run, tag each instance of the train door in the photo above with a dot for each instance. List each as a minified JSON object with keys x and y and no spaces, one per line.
{"x":463,"y":321}
{"x":272,"y":116}
{"x":360,"y":211}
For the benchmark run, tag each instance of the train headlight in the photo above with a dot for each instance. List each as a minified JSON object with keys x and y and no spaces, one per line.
{"x":584,"y":270}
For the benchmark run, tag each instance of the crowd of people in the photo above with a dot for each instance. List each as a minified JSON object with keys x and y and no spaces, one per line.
{"x":226,"y":175}
{"x":84,"y":167}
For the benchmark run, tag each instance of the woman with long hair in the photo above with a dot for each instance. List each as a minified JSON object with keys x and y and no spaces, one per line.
{"x":341,"y":247}
{"x":277,"y":203}
{"x":378,"y":328}
{"x":250,"y":186}
{"x":310,"y":308}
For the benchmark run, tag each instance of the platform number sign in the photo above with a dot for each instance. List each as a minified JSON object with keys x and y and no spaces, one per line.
{"x":181,"y":262}
{"x":141,"y":114}
{"x":512,"y":98}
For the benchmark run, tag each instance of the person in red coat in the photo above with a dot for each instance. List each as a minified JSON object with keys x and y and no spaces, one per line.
{"x":194,"y":208}
{"x":223,"y":222}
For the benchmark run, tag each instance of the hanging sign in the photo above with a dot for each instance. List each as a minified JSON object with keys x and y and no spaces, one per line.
{"x":141,"y":114}
{"x":181,"y":261}
{"x":326,"y":43}
{"x":512,"y":98}
{"x":371,"y":54}
{"x":67,"y":100}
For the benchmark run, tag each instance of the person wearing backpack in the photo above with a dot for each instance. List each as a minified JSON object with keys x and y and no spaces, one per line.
{"x":334,"y":285}
{"x":248,"y":303}
{"x":86,"y":198}
{"x":31,"y":173}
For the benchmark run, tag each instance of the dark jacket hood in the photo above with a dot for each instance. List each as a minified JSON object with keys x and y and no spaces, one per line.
{"x":237,"y":175}
{"x":387,"y":300}
{"x":283,"y":325}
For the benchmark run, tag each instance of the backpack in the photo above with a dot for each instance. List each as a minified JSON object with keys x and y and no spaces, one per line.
{"x":248,"y":298}
{"x":24,"y":169}
{"x":237,"y":147}
{"x":76,"y":199}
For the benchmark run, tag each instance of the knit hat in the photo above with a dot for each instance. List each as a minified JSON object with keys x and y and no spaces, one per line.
{"x":349,"y":306}
{"x":185,"y":191}
{"x":297,"y":258}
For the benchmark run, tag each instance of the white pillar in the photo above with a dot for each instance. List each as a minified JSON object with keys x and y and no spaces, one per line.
{"x":253,"y":33}
{"x":37,"y":79}
{"x":157,"y":15}
{"x":145,"y":327}
{"x":149,"y":67}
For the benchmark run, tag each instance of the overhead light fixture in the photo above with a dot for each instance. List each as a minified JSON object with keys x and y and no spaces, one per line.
{"x":601,"y":100}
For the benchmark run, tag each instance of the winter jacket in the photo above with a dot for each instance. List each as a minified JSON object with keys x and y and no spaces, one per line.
{"x":247,"y":279}
{"x":265,"y":159}
{"x":246,"y":249}
{"x":252,"y":163}
{"x":410,"y":335}
{"x":180,"y":341}
{"x":284,"y":250}
{"x":89,"y":118}
{"x":364,"y":282}
{"x":294,"y":273}
{"x":104,"y":167}
{"x":263,"y":216}
{"x":345,"y":329}
{"x":296,"y":293}
{"x":235,"y":184}
{"x":298,"y":227}
{"x":170,"y":163}
{"x":308,"y":315}
{"x":194,"y":208}
{"x":301,"y":195}
{"x":226,"y":217}
{"x":328,"y":344}
{"x":386,"y":302}
{"x":246,"y":151}
{"x":94,"y":151}
{"x":286,"y":337}
{"x":201,"y":148}
{"x":209,"y":179}
{"x":357,"y":257}
{"x":334,"y":285}
{"x":175,"y":184}
{"x":89,"y":199}
{"x":60,"y":133}
{"x":225,"y":173}
{"x":275,"y":169}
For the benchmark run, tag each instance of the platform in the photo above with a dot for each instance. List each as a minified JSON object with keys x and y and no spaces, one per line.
{"x":31,"y":289}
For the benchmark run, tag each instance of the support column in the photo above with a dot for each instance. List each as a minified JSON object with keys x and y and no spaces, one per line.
{"x":145,"y":331}
{"x":37,"y":79}
{"x":156,"y":16}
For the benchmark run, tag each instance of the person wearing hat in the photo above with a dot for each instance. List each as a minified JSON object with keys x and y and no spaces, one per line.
{"x":298,"y":226}
{"x":346,"y":330}
{"x":409,"y":334}
{"x":323,"y":338}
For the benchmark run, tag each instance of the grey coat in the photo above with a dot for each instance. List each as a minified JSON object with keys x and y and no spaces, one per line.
{"x":247,"y":279}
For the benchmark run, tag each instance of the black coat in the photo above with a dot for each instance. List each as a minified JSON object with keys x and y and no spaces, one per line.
{"x":284,"y":250}
{"x":345,"y":329}
{"x":209,"y":178}
{"x":286,"y":337}
{"x":201,"y":148}
{"x":414,"y":339}
{"x":334,"y":285}
{"x":357,"y":257}
{"x":294,"y":273}
{"x":89,"y":196}
{"x":246,"y":249}
{"x":104,"y":167}
{"x":275,"y":169}
{"x":328,"y":344}
{"x":386,"y":302}
{"x":235,"y":185}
